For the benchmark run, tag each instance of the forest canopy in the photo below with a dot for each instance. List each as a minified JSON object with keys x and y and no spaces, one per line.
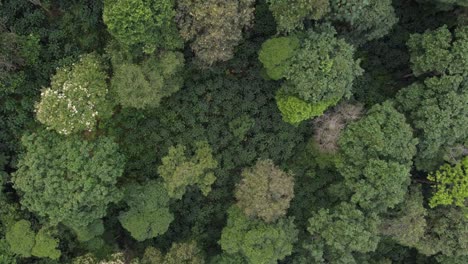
{"x":233,"y":131}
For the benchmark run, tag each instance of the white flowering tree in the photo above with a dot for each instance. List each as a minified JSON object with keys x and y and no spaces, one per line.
{"x":77,"y":97}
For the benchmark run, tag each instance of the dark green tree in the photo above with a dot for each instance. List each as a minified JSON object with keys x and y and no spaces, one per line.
{"x":343,"y":230}
{"x":148,"y":215}
{"x":407,"y":223}
{"x":438,"y":111}
{"x":376,"y":158}
{"x":257,"y":241}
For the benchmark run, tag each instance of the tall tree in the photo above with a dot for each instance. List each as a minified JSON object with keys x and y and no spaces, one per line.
{"x":451,"y":185}
{"x":265,"y":191}
{"x":180,"y":171}
{"x":148,"y":215}
{"x":68,"y":180}
{"x":214,"y":27}
{"x":257,"y":241}
{"x":77,"y":97}
{"x":343,"y":230}
{"x":376,"y":158}
{"x":144,"y":86}
{"x":318,"y":73}
{"x":149,"y":23}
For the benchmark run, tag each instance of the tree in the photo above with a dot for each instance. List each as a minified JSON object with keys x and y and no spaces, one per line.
{"x":144,"y":86}
{"x":148,"y":215}
{"x":16,"y":52}
{"x":407,"y":224}
{"x":439,"y":51}
{"x":438,"y":111}
{"x":184,"y":253}
{"x":328,"y":127}
{"x":258,"y":241}
{"x":451,"y":185}
{"x":214,"y":27}
{"x":290,"y":15}
{"x":344,"y":229}
{"x":318,"y":73}
{"x":275,"y":53}
{"x":265,"y":191}
{"x":68,"y":180}
{"x":445,"y":233}
{"x":146,"y":22}
{"x":21,"y":238}
{"x":446,"y":3}
{"x":362,"y":21}
{"x":45,"y":245}
{"x":76,"y":99}
{"x":377,"y":154}
{"x":180,"y":171}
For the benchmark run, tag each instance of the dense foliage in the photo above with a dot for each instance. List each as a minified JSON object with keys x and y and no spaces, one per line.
{"x":233,"y":131}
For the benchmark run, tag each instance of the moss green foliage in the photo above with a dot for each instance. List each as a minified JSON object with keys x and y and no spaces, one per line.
{"x":68,"y":180}
{"x":265,"y":191}
{"x":275,"y":53}
{"x":451,"y":184}
{"x":149,"y":23}
{"x":377,"y":154}
{"x":76,"y":98}
{"x":213,"y":27}
{"x":145,"y":85}
{"x":148,"y":215}
{"x":257,"y":241}
{"x":180,"y":171}
{"x":21,"y":238}
{"x":45,"y":245}
{"x":290,"y":15}
{"x":24,"y":242}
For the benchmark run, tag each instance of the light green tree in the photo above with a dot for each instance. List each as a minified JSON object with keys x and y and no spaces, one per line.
{"x":451,"y":185}
{"x":21,"y":237}
{"x":148,"y":215}
{"x":179,"y":170}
